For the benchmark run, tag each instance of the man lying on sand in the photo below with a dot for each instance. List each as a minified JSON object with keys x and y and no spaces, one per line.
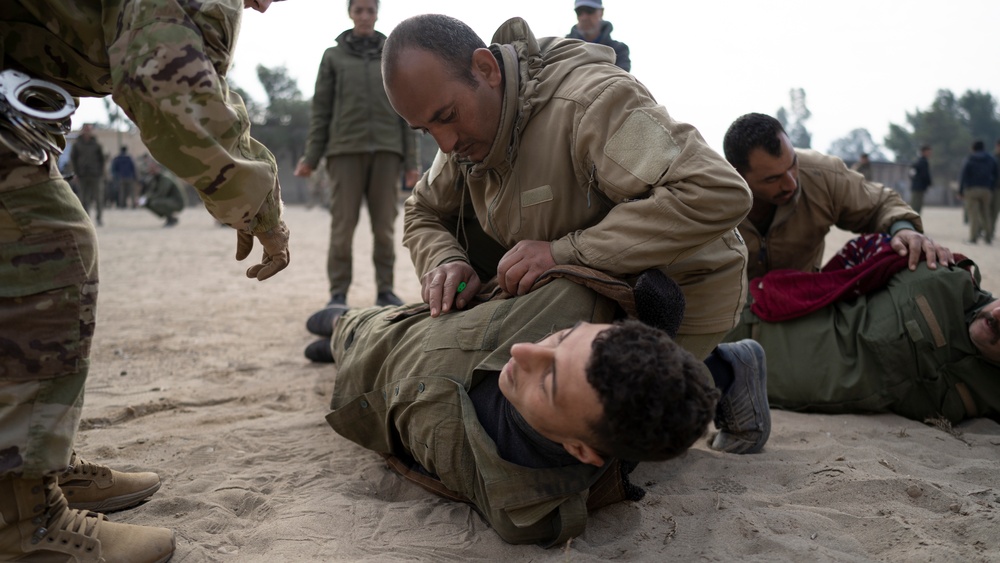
{"x":525,"y":407}
{"x":869,"y":335}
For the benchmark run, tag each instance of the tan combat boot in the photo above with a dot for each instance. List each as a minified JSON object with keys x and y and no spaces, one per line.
{"x":89,"y":486}
{"x":37,"y":525}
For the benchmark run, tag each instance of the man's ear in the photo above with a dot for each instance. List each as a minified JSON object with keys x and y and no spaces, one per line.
{"x":485,"y":65}
{"x":583,"y":452}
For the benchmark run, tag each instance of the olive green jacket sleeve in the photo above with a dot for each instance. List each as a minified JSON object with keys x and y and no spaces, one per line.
{"x":322,"y":110}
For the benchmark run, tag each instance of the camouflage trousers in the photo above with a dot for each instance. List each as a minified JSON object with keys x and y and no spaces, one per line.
{"x":48,"y":297}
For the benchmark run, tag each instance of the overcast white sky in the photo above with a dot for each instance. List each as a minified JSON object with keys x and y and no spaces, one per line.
{"x":862,"y":63}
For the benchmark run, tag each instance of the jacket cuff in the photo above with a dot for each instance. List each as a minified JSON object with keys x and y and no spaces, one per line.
{"x":899,"y":226}
{"x":312,"y":158}
{"x":269,"y":215}
{"x":563,"y":252}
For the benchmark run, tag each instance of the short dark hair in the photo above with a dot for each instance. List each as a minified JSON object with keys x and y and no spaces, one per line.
{"x":928,"y":147}
{"x":658,"y":398}
{"x":978,"y":145}
{"x":448,"y":39}
{"x":749,"y":132}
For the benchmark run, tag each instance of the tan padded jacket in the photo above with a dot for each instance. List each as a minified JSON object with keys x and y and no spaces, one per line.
{"x":585,"y":158}
{"x":830,"y":195}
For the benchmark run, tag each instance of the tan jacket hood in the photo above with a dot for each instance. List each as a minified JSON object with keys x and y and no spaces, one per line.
{"x":528,"y":85}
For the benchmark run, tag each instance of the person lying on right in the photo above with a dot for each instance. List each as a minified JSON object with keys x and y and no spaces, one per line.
{"x":869,"y":335}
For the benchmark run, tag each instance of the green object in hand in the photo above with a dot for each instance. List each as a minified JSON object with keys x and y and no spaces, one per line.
{"x":461,"y":287}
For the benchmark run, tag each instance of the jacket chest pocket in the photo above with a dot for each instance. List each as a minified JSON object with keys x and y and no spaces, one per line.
{"x":932,"y":337}
{"x":475,"y":329}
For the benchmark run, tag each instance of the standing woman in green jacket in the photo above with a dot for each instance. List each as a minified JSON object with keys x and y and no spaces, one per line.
{"x":365,"y":142}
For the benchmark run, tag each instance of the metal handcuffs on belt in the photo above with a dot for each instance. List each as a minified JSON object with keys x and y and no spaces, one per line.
{"x":32,"y":113}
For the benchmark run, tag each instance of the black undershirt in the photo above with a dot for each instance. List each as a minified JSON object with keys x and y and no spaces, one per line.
{"x":516,"y":441}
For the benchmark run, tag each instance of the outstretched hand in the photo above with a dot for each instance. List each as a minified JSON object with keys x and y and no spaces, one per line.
{"x":276,"y":255}
{"x":303,"y":170}
{"x":908,"y":242}
{"x":440,"y":287}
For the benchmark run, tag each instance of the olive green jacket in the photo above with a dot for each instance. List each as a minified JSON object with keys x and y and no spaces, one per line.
{"x":87,"y":158}
{"x":164,"y":62}
{"x":586,"y":158}
{"x":904,"y":349}
{"x":402,"y":389}
{"x":831,"y":195}
{"x":351,"y":113}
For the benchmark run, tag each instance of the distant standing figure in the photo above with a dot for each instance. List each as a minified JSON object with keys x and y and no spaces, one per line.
{"x":920,"y":178}
{"x":162,"y":195}
{"x":995,"y":207}
{"x":592,"y":27}
{"x":123,"y":175}
{"x":364,"y":142}
{"x":976,"y":185}
{"x":88,"y":158}
{"x":863,"y":166}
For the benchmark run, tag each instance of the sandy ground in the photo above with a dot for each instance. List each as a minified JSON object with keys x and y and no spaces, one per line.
{"x":198,"y":374}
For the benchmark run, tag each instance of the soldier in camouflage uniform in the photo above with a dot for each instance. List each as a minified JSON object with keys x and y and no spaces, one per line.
{"x":163,"y":61}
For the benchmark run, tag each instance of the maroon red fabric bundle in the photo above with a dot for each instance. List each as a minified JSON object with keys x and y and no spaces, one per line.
{"x":864,"y":264}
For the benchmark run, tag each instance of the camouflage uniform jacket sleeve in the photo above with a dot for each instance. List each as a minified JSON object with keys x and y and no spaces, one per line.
{"x":168,"y":62}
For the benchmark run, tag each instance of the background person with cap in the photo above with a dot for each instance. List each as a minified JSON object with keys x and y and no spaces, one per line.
{"x":591,"y":27}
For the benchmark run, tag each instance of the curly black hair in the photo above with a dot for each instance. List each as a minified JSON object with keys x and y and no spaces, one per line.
{"x":448,"y":39}
{"x":748,"y":132}
{"x":658,"y":398}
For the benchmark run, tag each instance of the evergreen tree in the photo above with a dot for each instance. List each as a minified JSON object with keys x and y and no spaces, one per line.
{"x":793,"y":119}
{"x":949,"y":126}
{"x":285,"y":121}
{"x":856,"y":142}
